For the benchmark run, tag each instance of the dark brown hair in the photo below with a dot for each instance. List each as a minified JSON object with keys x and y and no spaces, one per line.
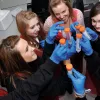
{"x":94,"y":11}
{"x":11,"y":62}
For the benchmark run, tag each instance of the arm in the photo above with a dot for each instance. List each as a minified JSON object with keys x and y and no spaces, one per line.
{"x":93,"y":64}
{"x":49,"y":41}
{"x":30,"y":88}
{"x":48,"y":23}
{"x":92,"y":58}
{"x":80,"y":17}
{"x":78,"y":81}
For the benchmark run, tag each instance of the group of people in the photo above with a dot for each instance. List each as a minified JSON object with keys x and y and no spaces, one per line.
{"x":28,"y":62}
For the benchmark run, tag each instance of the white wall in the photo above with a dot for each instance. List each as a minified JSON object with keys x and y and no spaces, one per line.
{"x":11,"y":5}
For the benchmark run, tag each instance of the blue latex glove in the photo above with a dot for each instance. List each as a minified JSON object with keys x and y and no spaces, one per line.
{"x":59,"y":54}
{"x":78,"y":81}
{"x":72,"y":27}
{"x":71,"y":49}
{"x":86,"y":46}
{"x":63,"y":52}
{"x":93,"y":34}
{"x":42,"y":43}
{"x":53,"y":32}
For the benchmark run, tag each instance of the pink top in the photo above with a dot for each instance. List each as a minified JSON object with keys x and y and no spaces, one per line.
{"x":79,"y":18}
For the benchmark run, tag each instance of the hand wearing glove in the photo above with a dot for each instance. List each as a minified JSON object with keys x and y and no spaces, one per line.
{"x":59,"y":54}
{"x":42,"y":43}
{"x":86,"y":46}
{"x":72,"y":27}
{"x":63,"y":52}
{"x":78,"y":81}
{"x":53,"y":32}
{"x":93,"y":34}
{"x":71,"y":48}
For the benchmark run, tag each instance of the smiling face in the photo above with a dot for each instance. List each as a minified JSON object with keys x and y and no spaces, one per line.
{"x":61,"y":12}
{"x":33,"y":27}
{"x":96,"y":22}
{"x":26,"y":51}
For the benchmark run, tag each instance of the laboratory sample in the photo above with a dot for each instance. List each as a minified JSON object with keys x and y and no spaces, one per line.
{"x":67,"y":35}
{"x":69,"y":68}
{"x":83,"y":30}
{"x":78,"y":37}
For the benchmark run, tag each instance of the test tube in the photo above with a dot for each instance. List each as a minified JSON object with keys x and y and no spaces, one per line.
{"x":78,"y":37}
{"x":68,"y":35}
{"x":69,"y":68}
{"x":83,"y":30}
{"x":62,"y":42}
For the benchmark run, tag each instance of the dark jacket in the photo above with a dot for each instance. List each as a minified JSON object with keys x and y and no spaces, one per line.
{"x":30,"y":88}
{"x":93,"y":67}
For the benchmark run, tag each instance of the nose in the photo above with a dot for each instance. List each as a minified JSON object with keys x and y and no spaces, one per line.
{"x":61,"y":16}
{"x":37,"y":28}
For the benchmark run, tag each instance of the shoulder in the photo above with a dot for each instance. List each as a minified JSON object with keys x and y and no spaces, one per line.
{"x":48,"y":23}
{"x":79,"y":15}
{"x":77,"y":11}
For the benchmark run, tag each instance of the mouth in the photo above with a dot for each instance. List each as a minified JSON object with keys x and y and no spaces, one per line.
{"x":98,"y":28}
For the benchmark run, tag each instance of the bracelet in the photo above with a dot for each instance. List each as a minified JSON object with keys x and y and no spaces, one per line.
{"x":81,"y":95}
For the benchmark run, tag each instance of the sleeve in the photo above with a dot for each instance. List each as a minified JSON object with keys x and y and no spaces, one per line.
{"x":80,"y":17}
{"x":31,"y":87}
{"x":93,"y":64}
{"x":48,"y":23}
{"x":58,"y":87}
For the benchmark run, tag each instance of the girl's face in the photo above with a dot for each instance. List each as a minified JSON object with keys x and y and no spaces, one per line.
{"x":61,"y":12}
{"x":34,"y":27}
{"x":25,"y":50}
{"x":96,"y":22}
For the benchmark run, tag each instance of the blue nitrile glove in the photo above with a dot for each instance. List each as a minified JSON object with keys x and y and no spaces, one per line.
{"x":53,"y":32}
{"x":92,"y":33}
{"x":86,"y":46}
{"x":59,"y":54}
{"x":78,"y":81}
{"x":42,"y":43}
{"x":71,"y":49}
{"x":72,"y":27}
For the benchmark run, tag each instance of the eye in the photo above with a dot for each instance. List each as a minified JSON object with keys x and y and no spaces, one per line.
{"x":38,"y":24}
{"x":32,"y":26}
{"x":26,"y":48}
{"x":93,"y":20}
{"x":64,"y":11}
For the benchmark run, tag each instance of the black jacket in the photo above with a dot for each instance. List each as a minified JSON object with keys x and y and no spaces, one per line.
{"x":93,"y":64}
{"x":30,"y":88}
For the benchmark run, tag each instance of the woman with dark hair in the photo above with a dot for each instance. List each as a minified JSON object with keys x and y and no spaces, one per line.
{"x":18,"y":61}
{"x":94,"y":21}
